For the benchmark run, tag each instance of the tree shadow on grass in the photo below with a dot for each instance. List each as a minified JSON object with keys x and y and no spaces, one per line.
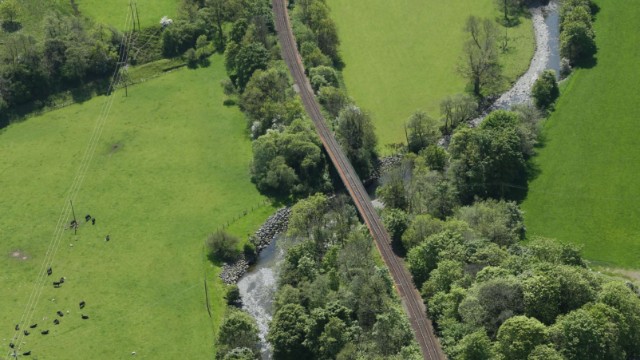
{"x":11,"y":26}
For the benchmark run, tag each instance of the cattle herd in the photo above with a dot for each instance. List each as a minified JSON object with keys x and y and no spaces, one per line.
{"x":59,"y":313}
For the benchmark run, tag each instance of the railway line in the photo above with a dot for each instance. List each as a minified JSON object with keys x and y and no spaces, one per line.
{"x":409,"y":295}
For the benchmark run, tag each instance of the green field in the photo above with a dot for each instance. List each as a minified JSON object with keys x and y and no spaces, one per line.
{"x":114,"y":12}
{"x":171,"y":167}
{"x":402,"y":55}
{"x":587,"y":191}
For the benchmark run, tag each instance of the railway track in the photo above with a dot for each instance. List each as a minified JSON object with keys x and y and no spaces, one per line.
{"x":409,"y":295}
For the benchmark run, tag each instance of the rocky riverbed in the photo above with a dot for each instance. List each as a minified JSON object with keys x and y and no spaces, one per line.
{"x":520,"y":93}
{"x":275,"y":224}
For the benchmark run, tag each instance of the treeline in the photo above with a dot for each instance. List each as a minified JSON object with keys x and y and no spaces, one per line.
{"x":577,"y":38}
{"x":288,"y":159}
{"x":69,"y":51}
{"x":333,"y":301}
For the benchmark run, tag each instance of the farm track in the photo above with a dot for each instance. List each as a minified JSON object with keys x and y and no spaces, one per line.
{"x":411,"y":300}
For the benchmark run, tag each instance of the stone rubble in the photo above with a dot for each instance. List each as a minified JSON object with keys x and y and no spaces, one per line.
{"x":275,"y":224}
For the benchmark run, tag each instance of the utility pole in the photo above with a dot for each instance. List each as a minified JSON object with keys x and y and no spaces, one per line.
{"x":75,"y":222}
{"x":135,"y":4}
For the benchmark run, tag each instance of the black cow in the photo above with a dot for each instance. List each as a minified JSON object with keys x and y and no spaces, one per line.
{"x":27,"y":353}
{"x":56,"y":284}
{"x":17,"y":327}
{"x":107,"y":238}
{"x":49,"y":271}
{"x":87,"y":217}
{"x":11,"y":345}
{"x":85,"y":317}
{"x":33,"y":326}
{"x":26,"y":333}
{"x":56,"y":321}
{"x":82,"y":304}
{"x":73,"y":224}
{"x":60,"y":313}
{"x":44,"y":332}
{"x":61,"y":280}
{"x":93,"y":221}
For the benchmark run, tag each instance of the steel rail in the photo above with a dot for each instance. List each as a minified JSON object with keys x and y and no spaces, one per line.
{"x":409,"y":295}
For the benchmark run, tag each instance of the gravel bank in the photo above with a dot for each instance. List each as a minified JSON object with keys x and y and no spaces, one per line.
{"x":520,"y":93}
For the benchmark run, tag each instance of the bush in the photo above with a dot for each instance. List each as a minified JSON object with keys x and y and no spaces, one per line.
{"x":233,"y":295}
{"x":223,"y":246}
{"x":545,"y":90}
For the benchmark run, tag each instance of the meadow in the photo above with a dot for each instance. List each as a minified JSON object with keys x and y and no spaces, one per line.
{"x":115,"y":12}
{"x":170,"y":168}
{"x":402,"y":56}
{"x":587,"y":191}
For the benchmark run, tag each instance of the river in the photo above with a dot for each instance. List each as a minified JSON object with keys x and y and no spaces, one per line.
{"x":257,"y":289}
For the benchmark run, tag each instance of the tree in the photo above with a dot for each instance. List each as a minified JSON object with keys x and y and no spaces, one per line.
{"x":9,"y":10}
{"x":420,"y":228}
{"x":591,"y":332}
{"x":577,"y":41}
{"x":391,"y":332}
{"x":480,"y":65}
{"x":333,"y":99}
{"x":290,"y":162}
{"x":422,"y":131}
{"x":239,"y":354}
{"x":501,"y":222}
{"x":306,"y":215}
{"x":238,"y":330}
{"x":475,"y":346}
{"x":392,"y":189}
{"x":509,"y":8}
{"x":519,"y":335}
{"x":435,"y":157}
{"x":223,"y":246}
{"x":620,"y":297}
{"x":443,"y":277}
{"x":456,"y":110}
{"x":545,"y":352}
{"x":287,"y":332}
{"x":356,"y":135}
{"x":423,"y":258}
{"x":491,"y":303}
{"x":396,"y":222}
{"x":322,"y":76}
{"x":545,"y":90}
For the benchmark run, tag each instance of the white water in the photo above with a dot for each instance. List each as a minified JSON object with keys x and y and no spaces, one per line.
{"x":258,"y":287}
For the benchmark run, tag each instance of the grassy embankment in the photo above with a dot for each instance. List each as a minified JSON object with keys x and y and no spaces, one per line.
{"x":170,"y":168}
{"x":587,"y":191}
{"x":403,"y":55}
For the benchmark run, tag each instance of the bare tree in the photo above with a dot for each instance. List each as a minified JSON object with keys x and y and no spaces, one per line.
{"x":480,"y":63}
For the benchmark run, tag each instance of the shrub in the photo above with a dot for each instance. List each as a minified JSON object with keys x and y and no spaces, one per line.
{"x":545,"y":90}
{"x":223,"y":246}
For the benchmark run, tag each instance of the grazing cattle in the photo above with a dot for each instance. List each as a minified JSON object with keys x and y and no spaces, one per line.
{"x":33,"y":326}
{"x":44,"y":332}
{"x":11,"y":345}
{"x":56,"y":284}
{"x":56,"y":322}
{"x":93,"y":221}
{"x":60,"y":313}
{"x":87,"y":217}
{"x":74,"y":224}
{"x":82,"y":304}
{"x":107,"y":238}
{"x":85,"y":317}
{"x":49,"y":271}
{"x":27,"y":353}
{"x":61,"y":280}
{"x":26,"y":333}
{"x":17,"y":327}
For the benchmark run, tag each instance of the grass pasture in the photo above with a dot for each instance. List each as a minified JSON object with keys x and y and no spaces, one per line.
{"x":403,"y":55}
{"x":170,"y":168}
{"x":114,"y":12}
{"x":587,"y":191}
